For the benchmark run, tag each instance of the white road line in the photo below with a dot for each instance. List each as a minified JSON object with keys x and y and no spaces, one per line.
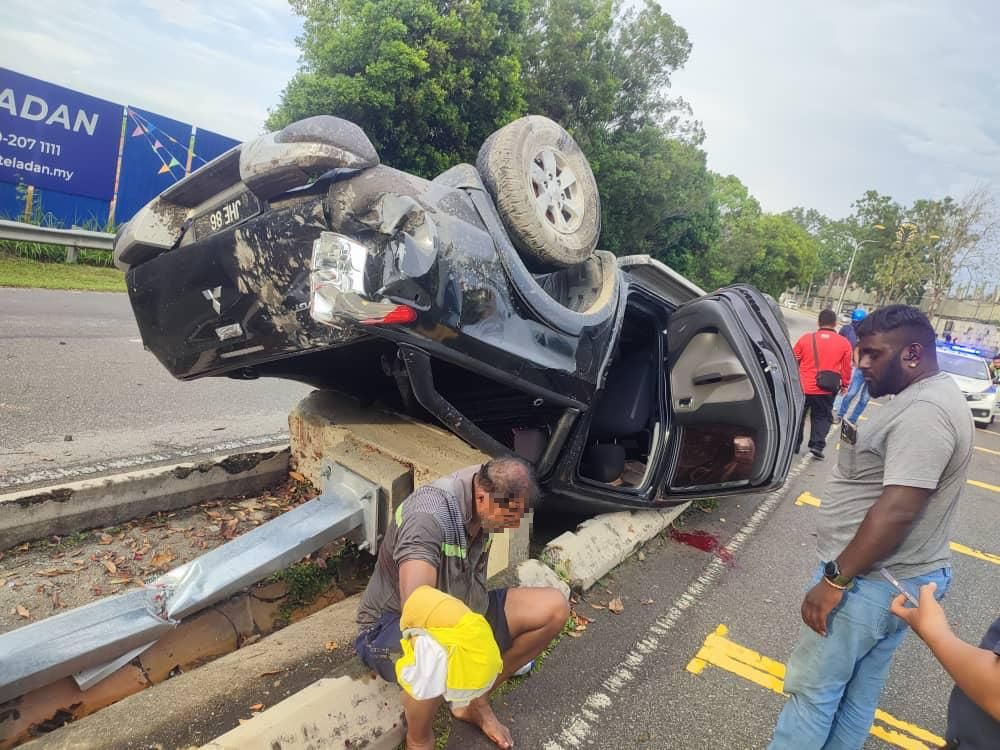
{"x":576,"y":730}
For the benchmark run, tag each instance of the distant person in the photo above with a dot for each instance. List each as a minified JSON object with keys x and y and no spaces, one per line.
{"x":947,"y":338}
{"x":857,"y":388}
{"x":824,"y":369}
{"x":889,"y":503}
{"x":974,"y":706}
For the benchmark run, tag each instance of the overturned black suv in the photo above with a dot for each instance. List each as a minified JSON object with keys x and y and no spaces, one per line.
{"x":476,"y":299}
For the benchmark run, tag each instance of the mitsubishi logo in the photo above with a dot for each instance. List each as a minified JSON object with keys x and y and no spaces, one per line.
{"x":215,"y":297}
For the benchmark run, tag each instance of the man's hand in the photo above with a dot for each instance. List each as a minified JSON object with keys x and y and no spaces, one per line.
{"x":928,"y":620}
{"x":818,"y":604}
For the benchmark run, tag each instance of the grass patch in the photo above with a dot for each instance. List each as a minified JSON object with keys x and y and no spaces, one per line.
{"x":307,"y":579}
{"x":21,"y":272}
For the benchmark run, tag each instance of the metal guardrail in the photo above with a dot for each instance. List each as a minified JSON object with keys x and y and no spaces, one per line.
{"x":72,"y":239}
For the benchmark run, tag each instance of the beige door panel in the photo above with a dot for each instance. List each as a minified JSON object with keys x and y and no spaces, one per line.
{"x":708,"y":372}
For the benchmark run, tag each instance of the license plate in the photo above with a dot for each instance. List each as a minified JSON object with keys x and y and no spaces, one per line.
{"x":225,"y":215}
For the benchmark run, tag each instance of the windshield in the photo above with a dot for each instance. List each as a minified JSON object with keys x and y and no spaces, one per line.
{"x":964,"y":366}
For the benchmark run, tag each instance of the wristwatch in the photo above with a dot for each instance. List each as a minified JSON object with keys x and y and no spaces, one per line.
{"x":831,"y":572}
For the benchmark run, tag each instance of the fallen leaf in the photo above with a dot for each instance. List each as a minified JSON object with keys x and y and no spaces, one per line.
{"x":332,"y":645}
{"x":647,"y":601}
{"x":119,"y":581}
{"x":597,"y":606}
{"x":642,"y":556}
{"x":3,"y":581}
{"x":106,"y":539}
{"x":163,"y":559}
{"x":296,"y":476}
{"x":272,"y":672}
{"x":110,"y":567}
{"x":22,"y":612}
{"x":256,"y":706}
{"x":574,"y":634}
{"x":51,"y":572}
{"x":616,"y":606}
{"x":214,"y":514}
{"x":24,"y":547}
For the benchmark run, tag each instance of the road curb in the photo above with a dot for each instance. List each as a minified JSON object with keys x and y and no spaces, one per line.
{"x":108,"y":501}
{"x":583,"y":557}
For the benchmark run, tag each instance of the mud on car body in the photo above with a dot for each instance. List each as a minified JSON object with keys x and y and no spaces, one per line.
{"x":476,"y":300}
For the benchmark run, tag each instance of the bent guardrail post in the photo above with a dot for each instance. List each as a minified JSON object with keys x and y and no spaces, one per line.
{"x":90,"y":642}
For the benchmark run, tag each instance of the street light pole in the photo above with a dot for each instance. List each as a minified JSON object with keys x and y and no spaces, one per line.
{"x":850,"y":267}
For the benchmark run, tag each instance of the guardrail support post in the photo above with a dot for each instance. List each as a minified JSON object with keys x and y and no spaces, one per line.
{"x":71,"y":251}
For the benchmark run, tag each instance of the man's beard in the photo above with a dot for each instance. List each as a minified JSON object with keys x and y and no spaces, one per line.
{"x":892,"y":381}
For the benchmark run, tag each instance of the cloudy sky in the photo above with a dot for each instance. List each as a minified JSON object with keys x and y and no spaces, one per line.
{"x":808,"y":103}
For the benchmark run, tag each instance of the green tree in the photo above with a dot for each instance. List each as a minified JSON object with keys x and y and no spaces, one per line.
{"x":770,"y":251}
{"x":656,"y":197}
{"x":427,"y":81}
{"x":872,"y":210}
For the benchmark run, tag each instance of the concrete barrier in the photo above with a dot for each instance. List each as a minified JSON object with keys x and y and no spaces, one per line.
{"x":108,"y":501}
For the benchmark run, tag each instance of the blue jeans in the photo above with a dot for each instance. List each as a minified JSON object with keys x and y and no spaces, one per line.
{"x":834,"y":682}
{"x":858,"y":388}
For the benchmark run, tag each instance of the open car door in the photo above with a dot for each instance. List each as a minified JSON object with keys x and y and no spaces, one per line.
{"x":735,"y":399}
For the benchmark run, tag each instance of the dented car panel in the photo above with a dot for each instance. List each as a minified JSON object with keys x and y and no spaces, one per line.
{"x":240,"y":299}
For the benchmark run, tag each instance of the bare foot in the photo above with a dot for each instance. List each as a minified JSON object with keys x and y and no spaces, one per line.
{"x":411,"y":745}
{"x":480,"y":713}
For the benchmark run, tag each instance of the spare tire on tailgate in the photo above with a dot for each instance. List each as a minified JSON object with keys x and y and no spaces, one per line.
{"x":544,"y":190}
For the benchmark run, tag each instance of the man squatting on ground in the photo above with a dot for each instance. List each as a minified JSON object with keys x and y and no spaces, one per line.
{"x":440,"y":537}
{"x":889,"y":503}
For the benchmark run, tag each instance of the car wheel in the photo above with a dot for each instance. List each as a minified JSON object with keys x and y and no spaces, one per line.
{"x":544,"y":190}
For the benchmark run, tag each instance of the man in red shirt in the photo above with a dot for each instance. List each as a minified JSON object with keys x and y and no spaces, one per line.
{"x":834,"y":354}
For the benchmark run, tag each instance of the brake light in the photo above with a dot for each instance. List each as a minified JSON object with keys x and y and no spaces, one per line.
{"x":400,"y":315}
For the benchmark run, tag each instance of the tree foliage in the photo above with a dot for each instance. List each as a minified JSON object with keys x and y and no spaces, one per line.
{"x":427,"y":81}
{"x":770,"y":251}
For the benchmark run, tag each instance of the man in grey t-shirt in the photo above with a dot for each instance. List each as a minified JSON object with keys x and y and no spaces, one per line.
{"x":439,"y":536}
{"x":889,"y":504}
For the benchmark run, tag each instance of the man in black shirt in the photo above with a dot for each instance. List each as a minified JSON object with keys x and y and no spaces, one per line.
{"x":974,"y":707}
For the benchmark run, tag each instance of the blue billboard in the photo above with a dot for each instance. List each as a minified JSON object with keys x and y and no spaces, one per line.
{"x":56,"y":138}
{"x":67,"y":158}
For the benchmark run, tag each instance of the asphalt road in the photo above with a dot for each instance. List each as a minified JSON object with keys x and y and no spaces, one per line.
{"x":72,"y":364}
{"x":625,"y":682}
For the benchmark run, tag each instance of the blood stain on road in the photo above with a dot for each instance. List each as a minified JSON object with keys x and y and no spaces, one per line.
{"x":705,"y":542}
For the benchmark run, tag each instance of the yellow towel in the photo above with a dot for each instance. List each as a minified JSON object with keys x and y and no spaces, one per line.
{"x":463,"y":638}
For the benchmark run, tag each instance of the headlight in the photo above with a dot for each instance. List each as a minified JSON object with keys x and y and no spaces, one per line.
{"x":982,"y":396}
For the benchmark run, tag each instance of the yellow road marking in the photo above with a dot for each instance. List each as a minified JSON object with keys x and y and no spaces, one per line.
{"x":807,"y":498}
{"x":978,"y":554}
{"x":719,"y":651}
{"x":987,"y":450}
{"x":984,"y":485}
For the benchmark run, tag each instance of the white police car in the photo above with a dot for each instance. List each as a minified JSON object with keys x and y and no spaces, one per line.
{"x":971,"y":372}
